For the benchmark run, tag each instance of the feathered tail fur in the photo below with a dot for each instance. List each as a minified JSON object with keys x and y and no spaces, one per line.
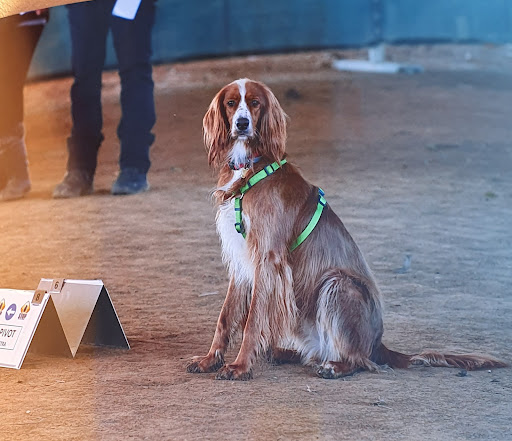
{"x":469,"y":362}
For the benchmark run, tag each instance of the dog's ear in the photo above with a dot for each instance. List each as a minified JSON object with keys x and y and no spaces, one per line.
{"x":216,"y":129}
{"x":273,"y":126}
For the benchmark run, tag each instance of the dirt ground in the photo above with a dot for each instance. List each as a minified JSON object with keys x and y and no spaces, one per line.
{"x":415,"y":165}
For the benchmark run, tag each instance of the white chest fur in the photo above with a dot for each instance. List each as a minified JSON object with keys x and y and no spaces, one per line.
{"x":235,"y":252}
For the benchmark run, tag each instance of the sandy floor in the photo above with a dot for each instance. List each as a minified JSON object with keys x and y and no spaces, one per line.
{"x":414,"y":165}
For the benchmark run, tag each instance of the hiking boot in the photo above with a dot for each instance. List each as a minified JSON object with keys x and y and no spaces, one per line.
{"x":130,"y":181}
{"x":75,"y":183}
{"x":15,"y":188}
{"x":14,"y":178}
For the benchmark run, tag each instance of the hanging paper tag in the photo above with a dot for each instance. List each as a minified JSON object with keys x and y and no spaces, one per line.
{"x":126,"y":8}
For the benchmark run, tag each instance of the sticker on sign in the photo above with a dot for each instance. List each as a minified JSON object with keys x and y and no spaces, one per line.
{"x":9,"y":336}
{"x":11,"y":311}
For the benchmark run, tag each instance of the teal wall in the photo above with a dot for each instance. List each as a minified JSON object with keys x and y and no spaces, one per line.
{"x":205,"y":28}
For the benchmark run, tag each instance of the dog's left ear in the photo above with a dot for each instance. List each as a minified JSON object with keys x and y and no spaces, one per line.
{"x":215,"y":129}
{"x":273,"y":127}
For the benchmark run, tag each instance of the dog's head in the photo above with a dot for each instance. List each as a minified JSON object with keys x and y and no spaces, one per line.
{"x":244,"y":121}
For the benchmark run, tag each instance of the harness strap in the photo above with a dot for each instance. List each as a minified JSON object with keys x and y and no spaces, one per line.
{"x":239,"y":225}
{"x":262,"y":174}
{"x":314,"y":220}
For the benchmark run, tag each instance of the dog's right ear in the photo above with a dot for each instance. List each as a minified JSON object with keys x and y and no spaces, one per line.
{"x":216,"y":130}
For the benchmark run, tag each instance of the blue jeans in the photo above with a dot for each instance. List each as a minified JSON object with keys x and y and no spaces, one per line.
{"x":89,"y":24}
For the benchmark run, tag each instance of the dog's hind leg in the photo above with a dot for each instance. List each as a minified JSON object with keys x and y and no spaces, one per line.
{"x":349,"y":324}
{"x":233,"y":316}
{"x":284,"y":356}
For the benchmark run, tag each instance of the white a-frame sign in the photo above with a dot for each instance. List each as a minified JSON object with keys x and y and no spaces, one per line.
{"x":56,"y":318}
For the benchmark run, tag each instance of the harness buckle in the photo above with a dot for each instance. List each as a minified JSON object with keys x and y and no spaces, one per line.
{"x":239,"y":227}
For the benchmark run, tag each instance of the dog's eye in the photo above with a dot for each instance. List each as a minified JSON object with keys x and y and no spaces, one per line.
{"x":255,"y":103}
{"x":231,"y":103}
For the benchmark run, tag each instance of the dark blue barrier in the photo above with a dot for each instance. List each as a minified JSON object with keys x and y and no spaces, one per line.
{"x":206,"y":28}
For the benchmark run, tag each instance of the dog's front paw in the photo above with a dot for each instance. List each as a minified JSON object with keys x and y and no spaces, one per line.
{"x":333,"y":369}
{"x":234,"y":372}
{"x":210,"y":363}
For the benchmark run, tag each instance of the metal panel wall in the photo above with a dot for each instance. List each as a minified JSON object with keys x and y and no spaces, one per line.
{"x":448,"y":20}
{"x":204,"y":28}
{"x":273,"y":25}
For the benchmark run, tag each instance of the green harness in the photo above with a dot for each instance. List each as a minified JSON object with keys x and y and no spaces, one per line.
{"x":262,"y":174}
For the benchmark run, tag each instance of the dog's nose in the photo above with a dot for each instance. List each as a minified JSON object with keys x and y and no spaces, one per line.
{"x":242,"y":123}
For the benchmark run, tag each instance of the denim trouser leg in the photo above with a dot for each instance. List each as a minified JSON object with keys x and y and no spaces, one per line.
{"x":89,"y":24}
{"x":132,"y":42}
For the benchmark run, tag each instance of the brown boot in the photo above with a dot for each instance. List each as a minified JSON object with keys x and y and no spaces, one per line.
{"x":15,"y":181}
{"x":75,"y":183}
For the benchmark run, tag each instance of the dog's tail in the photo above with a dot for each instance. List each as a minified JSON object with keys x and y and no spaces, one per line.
{"x":469,"y":362}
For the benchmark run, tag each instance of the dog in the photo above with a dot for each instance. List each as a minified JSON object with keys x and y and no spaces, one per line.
{"x":300,"y":288}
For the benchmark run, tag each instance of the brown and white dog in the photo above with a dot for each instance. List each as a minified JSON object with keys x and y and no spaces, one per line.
{"x":318,"y":303}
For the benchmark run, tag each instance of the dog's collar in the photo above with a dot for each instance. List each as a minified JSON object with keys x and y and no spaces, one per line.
{"x":248,"y":164}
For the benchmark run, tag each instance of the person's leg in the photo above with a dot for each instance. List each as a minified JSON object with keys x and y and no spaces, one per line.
{"x":132,"y":42}
{"x":14,"y":62}
{"x":88,"y":24}
{"x":16,"y":50}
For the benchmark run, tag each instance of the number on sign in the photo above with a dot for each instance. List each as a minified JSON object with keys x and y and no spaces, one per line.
{"x":38,"y":296}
